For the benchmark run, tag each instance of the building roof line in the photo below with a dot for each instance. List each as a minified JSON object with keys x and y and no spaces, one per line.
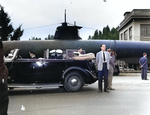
{"x":135,"y":14}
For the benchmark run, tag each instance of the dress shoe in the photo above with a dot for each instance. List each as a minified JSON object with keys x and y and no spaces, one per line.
{"x":106,"y":91}
{"x":112,"y":89}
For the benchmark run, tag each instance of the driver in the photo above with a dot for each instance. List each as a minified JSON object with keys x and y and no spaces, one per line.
{"x":32,"y":54}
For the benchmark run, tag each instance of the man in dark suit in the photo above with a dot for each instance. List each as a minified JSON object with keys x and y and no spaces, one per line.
{"x":102,"y":62}
{"x":143,"y":64}
{"x":3,"y":83}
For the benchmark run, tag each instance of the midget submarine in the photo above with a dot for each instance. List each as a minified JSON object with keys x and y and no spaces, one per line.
{"x":67,"y":37}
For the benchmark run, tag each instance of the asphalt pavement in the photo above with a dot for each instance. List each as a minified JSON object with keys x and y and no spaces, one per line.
{"x":130,"y":97}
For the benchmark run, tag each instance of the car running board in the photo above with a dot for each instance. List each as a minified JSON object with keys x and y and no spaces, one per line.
{"x":34,"y":85}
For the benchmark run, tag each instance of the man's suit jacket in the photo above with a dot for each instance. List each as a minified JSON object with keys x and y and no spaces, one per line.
{"x":99,"y":59}
{"x":143,"y":62}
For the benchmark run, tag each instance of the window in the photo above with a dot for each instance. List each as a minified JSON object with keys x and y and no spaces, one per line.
{"x":122,"y":36}
{"x":130,"y":33}
{"x":126,"y":35}
{"x":145,"y":30}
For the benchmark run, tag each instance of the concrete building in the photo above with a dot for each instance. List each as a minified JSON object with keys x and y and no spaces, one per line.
{"x":135,"y":26}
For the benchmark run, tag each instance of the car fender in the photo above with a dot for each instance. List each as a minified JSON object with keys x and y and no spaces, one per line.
{"x":75,"y":68}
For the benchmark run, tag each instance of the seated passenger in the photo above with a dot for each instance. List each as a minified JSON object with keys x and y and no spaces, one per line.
{"x":59,"y":54}
{"x":52,"y":54}
{"x":81,"y":56}
{"x":56,"y":54}
{"x":79,"y":50}
{"x":32,"y":54}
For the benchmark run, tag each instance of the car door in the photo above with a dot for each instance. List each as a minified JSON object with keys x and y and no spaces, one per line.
{"x":28,"y":71}
{"x":53,"y":70}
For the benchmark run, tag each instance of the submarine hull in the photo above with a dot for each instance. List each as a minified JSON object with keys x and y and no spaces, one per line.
{"x":127,"y":51}
{"x":40,"y":46}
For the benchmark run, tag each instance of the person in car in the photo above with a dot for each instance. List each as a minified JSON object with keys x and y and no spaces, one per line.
{"x":80,"y":51}
{"x":3,"y":83}
{"x":32,"y":54}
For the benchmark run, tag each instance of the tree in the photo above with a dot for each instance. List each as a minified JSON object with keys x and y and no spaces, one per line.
{"x":17,"y":33}
{"x":100,"y":35}
{"x":50,"y":37}
{"x":89,"y":38}
{"x":95,"y":35}
{"x":6,"y":28}
{"x":35,"y":38}
{"x":106,"y":34}
{"x":106,"y":30}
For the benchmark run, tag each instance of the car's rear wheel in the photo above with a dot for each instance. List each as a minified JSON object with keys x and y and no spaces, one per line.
{"x":73,"y":82}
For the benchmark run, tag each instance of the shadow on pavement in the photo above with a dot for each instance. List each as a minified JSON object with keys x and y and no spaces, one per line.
{"x":34,"y":91}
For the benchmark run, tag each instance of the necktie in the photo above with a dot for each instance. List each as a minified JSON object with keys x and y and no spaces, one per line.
{"x":104,"y":56}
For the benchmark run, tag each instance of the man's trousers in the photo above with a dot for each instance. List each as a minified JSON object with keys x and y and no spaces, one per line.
{"x":144,"y":73}
{"x":103,"y":74}
{"x":110,"y":76}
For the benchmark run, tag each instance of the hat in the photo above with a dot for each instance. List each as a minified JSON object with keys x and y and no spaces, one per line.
{"x":79,"y":48}
{"x":59,"y":51}
{"x":52,"y":51}
{"x":33,"y":52}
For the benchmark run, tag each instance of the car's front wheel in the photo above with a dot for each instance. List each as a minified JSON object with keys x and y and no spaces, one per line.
{"x":73,"y":82}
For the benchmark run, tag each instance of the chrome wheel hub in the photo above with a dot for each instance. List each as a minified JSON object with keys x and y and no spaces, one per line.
{"x":74,"y":81}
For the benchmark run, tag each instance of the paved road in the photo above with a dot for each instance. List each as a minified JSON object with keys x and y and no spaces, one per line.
{"x":131,"y":97}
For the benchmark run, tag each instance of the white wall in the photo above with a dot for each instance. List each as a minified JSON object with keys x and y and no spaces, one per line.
{"x":135,"y":29}
{"x":126,"y":28}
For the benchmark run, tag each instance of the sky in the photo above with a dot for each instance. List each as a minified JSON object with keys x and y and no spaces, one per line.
{"x":39,"y":18}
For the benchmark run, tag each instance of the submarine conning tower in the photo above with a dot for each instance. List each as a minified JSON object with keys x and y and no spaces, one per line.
{"x":66,"y":32}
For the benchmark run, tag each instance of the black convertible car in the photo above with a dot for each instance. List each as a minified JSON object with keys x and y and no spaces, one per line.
{"x":57,"y":68}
